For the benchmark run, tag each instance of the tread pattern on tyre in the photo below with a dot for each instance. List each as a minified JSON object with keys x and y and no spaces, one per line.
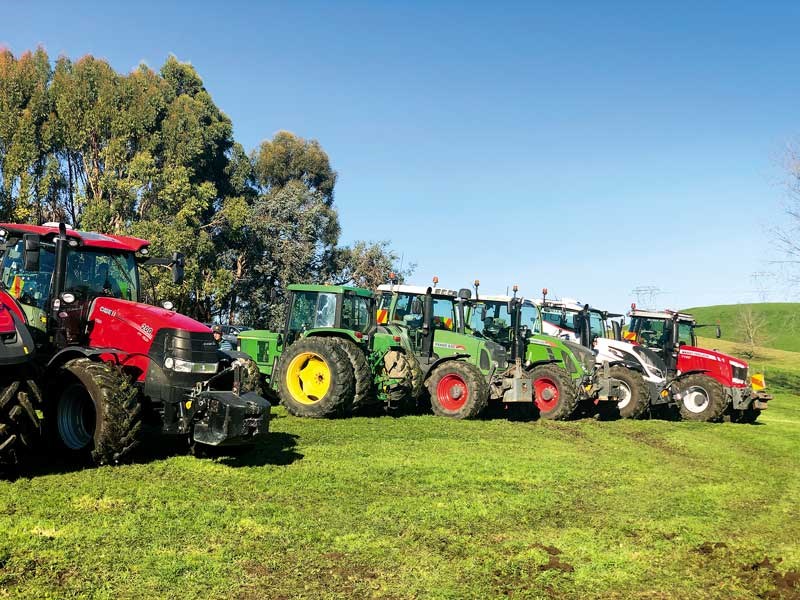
{"x":19,"y":422}
{"x":717,"y":402}
{"x":339,"y":399}
{"x":116,"y":404}
{"x":567,"y":391}
{"x":477,"y":387}
{"x":398,"y":365}
{"x":640,"y":394}
{"x":251,"y":377}
{"x":364,"y":389}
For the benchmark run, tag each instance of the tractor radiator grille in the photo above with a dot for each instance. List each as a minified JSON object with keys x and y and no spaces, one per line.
{"x":739,"y":373}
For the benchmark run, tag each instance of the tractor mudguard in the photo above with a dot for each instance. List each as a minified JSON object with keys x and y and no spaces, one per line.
{"x":226,"y":419}
{"x":677,"y":378}
{"x":69,"y":352}
{"x":431,"y":366}
{"x":628,"y":364}
{"x":537,"y":363}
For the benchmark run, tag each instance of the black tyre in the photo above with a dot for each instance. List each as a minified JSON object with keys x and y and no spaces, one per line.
{"x":251,"y":377}
{"x":19,"y":422}
{"x":748,"y":416}
{"x":634,"y":399}
{"x":315,"y":379}
{"x":404,"y":368}
{"x":702,"y":398}
{"x":554,"y":393}
{"x":458,"y":390}
{"x":94,"y":412}
{"x":364,"y":390}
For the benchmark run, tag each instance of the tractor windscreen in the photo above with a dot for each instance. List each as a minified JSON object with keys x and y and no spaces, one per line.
{"x":491,"y":319}
{"x":565,"y":320}
{"x":95,"y":272}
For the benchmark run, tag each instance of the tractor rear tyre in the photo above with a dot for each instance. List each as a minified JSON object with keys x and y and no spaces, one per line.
{"x":398,"y":365}
{"x":364,"y":392}
{"x":554,"y":393}
{"x":94,"y":412}
{"x":634,"y":399}
{"x":702,"y":398}
{"x":315,"y":379}
{"x":19,"y":422}
{"x":458,"y":390}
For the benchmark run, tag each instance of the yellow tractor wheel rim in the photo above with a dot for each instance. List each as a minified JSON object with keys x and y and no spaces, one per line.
{"x":308,"y":378}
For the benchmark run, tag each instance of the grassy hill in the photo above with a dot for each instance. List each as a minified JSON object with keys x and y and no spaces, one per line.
{"x":781,"y":328}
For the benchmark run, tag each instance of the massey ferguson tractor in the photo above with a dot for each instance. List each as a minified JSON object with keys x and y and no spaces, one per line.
{"x":109,"y":364}
{"x":641,"y":371}
{"x":711,"y":384}
{"x":20,"y":397}
{"x":331,"y":359}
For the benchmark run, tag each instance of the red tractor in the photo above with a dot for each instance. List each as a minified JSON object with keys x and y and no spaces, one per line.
{"x":708,"y":384}
{"x":111,"y":365}
{"x":19,"y":393}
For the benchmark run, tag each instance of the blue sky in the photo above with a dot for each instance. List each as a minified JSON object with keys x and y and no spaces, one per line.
{"x":588,"y":147}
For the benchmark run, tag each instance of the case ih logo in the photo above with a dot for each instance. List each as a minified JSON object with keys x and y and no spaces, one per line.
{"x":107,"y":311}
{"x":146,"y":330}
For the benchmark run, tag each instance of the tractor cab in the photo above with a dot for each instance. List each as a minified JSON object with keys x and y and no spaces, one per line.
{"x":664,"y":332}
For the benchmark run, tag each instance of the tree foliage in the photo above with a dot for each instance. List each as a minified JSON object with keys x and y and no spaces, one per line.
{"x":149,"y":154}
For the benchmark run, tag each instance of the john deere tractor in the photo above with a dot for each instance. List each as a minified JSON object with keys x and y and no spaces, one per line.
{"x":564,"y":374}
{"x":331,"y":359}
{"x":461,"y":372}
{"x":110,"y":365}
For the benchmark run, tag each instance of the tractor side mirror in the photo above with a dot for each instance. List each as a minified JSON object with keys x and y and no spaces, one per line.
{"x":416,"y":306}
{"x":616,"y":328}
{"x":32,"y":244}
{"x":719,"y":332}
{"x":177,"y":267}
{"x":464,"y":294}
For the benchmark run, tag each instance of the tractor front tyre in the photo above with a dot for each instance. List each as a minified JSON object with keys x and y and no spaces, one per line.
{"x":19,"y":422}
{"x":94,"y":412}
{"x":315,"y":379}
{"x":634,"y":398}
{"x":364,"y":392}
{"x":251,"y":377}
{"x":748,"y":416}
{"x":458,"y":390}
{"x":399,"y":366}
{"x":554,"y":393}
{"x":702,"y":398}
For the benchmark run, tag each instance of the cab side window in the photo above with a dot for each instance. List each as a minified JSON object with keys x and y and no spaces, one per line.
{"x":30,"y":287}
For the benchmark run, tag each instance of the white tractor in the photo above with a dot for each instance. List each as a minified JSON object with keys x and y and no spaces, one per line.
{"x":642,"y":372}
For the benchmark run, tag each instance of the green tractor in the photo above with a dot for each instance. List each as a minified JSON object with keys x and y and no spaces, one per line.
{"x":565,"y":377}
{"x":331,"y":359}
{"x":461,"y":372}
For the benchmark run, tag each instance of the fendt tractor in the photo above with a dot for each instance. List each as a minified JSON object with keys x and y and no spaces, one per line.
{"x":459,"y":371}
{"x":20,"y":397}
{"x":564,"y":373}
{"x":712,"y":385}
{"x":642,"y":372}
{"x":110,"y":364}
{"x":331,"y":359}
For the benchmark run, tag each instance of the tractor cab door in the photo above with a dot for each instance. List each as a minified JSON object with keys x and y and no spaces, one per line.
{"x":311,"y":310}
{"x":30,"y":288}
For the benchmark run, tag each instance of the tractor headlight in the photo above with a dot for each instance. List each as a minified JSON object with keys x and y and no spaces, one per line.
{"x":184,"y":366}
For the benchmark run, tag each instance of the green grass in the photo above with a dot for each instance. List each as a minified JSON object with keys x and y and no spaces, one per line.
{"x":781,"y":328}
{"x":424,"y":507}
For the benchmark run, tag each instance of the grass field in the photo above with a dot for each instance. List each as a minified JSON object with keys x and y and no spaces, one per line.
{"x":424,"y":507}
{"x":781,"y":322}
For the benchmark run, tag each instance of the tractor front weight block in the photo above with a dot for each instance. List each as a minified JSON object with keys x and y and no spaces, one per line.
{"x":227,"y":419}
